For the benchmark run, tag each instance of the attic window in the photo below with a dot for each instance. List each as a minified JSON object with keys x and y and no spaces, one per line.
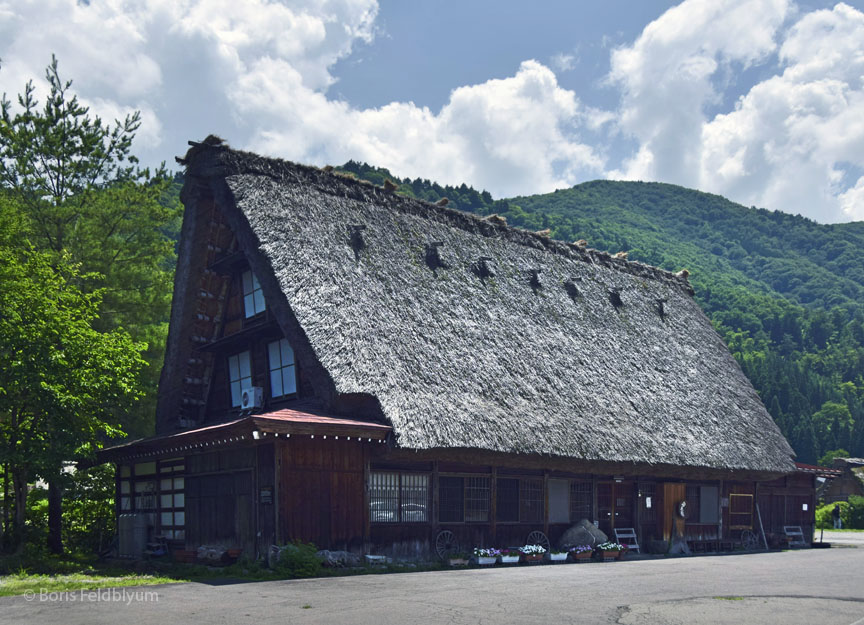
{"x":433,"y":255}
{"x":283,"y":379}
{"x":572,"y":287}
{"x":358,"y":242}
{"x":240,"y":376}
{"x":253,"y":297}
{"x":484,"y":267}
{"x":536,"y":283}
{"x":615,"y":297}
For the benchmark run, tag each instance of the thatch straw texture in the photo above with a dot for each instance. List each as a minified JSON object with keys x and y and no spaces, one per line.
{"x":508,"y":341}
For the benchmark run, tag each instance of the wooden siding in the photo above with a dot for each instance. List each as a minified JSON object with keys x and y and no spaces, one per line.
{"x":673,"y":494}
{"x":220,"y":500}
{"x":322,"y":486}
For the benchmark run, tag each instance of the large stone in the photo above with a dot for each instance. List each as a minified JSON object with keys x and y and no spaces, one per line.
{"x":583,"y":533}
{"x":338,"y":558}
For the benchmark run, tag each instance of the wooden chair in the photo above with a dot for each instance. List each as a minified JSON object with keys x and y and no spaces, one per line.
{"x":795,"y":535}
{"x":627,"y":537}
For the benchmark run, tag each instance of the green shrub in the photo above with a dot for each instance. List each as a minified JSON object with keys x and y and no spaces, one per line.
{"x":856,"y":513}
{"x":298,"y":559}
{"x":826,"y":521}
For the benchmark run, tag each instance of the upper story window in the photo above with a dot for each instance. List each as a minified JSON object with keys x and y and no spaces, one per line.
{"x":283,"y":377}
{"x":253,"y":298}
{"x":240,"y":375}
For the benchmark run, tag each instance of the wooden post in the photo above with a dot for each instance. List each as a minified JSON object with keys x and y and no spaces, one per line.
{"x":280,"y":448}
{"x":594,"y":509}
{"x":493,"y":512}
{"x":367,"y":514}
{"x":546,"y":502}
{"x":435,"y":515}
{"x":720,"y":528}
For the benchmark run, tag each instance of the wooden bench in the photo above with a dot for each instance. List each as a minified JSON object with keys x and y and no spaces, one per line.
{"x":627,"y":537}
{"x":795,"y":535}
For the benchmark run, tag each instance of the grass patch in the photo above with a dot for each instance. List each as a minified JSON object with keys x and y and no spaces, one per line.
{"x":730,"y":598}
{"x":843,"y":531}
{"x":25,"y":583}
{"x":36,"y":573}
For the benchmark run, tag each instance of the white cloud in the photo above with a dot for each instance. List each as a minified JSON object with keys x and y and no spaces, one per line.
{"x":563,"y":62}
{"x":789,"y":141}
{"x":667,"y":78}
{"x":258,"y":73}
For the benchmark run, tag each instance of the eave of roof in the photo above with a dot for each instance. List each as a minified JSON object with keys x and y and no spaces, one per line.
{"x":283,"y":422}
{"x":822,"y":471}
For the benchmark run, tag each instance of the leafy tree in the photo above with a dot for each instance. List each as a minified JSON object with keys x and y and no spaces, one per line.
{"x":63,"y":384}
{"x":76,"y":192}
{"x":828,"y":459}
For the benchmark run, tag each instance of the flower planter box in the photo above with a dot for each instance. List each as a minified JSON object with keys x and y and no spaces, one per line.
{"x":533,"y":558}
{"x":557,"y":557}
{"x":581,"y":557}
{"x":609,"y":556}
{"x":458,"y":562}
{"x":509,"y":559}
{"x":486,"y":560}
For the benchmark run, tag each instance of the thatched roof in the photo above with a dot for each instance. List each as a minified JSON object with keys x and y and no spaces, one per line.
{"x":473,"y":334}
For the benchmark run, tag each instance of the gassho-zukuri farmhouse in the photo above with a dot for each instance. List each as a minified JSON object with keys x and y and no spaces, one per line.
{"x":375,"y":373}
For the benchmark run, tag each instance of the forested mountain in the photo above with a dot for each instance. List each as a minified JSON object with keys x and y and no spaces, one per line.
{"x":786,"y":293}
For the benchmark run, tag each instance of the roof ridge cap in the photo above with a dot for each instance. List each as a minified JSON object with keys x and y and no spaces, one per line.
{"x":212,"y":157}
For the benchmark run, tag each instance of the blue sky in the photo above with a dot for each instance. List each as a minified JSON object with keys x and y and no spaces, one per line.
{"x":758,"y":100}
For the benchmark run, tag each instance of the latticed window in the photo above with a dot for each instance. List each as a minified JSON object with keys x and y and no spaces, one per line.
{"x":693,"y":504}
{"x":531,"y":500}
{"x":581,"y":500}
{"x":507,"y":500}
{"x":477,"y":492}
{"x":396,"y":497}
{"x":451,"y":499}
{"x":253,"y":297}
{"x":464,"y":499}
{"x":172,"y":499}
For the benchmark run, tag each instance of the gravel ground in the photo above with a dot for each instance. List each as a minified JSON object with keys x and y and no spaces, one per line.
{"x":801,"y":586}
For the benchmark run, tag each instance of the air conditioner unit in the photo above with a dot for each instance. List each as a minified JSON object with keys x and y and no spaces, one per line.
{"x":252,"y":397}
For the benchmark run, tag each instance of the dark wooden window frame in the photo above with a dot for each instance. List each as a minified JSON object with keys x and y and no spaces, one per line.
{"x":400,"y":500}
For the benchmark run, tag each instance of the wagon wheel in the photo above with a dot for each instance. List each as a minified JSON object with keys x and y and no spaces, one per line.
{"x":750,"y":540}
{"x":445,"y":544}
{"x":538,"y":538}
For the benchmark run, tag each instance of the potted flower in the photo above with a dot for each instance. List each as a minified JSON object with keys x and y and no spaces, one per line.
{"x":510,"y":556}
{"x":532,"y":553}
{"x":557,"y":555}
{"x":609,"y":550}
{"x":581,"y":553}
{"x":486,"y":556}
{"x":458,"y":559}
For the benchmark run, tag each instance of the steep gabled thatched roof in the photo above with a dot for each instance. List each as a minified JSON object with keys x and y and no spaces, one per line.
{"x":472,"y":334}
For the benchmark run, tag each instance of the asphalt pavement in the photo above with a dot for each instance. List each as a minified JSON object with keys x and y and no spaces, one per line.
{"x":794,"y":587}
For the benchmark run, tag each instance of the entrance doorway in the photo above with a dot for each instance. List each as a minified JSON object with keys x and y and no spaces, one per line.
{"x":614,"y":506}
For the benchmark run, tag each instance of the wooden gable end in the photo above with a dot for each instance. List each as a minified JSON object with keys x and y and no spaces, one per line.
{"x":209,"y":322}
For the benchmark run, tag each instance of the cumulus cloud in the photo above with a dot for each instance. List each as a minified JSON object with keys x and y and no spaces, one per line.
{"x":259,"y":73}
{"x":790,"y":142}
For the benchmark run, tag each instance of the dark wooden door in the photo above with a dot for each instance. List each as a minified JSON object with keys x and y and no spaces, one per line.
{"x":614,"y":506}
{"x":219,"y":510}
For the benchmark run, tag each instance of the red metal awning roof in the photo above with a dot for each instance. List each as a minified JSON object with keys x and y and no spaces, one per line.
{"x":820,"y":471}
{"x":285,"y":422}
